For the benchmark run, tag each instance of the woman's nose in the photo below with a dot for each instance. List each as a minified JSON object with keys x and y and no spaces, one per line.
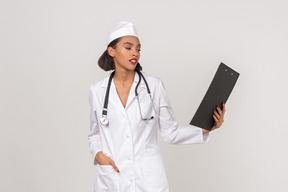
{"x":135,"y":53}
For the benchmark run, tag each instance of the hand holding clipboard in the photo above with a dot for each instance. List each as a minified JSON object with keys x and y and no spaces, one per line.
{"x":217,"y":94}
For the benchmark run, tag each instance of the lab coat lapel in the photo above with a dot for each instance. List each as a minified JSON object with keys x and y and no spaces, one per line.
{"x":132,"y":94}
{"x":114,"y":98}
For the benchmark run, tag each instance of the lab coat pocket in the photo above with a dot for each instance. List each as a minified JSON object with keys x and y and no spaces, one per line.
{"x":107,"y":179}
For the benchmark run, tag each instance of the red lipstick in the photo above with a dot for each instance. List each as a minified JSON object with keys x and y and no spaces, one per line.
{"x":133,"y":61}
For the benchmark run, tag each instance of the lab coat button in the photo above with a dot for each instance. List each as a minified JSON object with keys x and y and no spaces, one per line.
{"x":129,"y":158}
{"x":128,"y":136}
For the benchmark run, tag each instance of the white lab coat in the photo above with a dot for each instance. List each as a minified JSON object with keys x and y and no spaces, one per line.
{"x":132,"y":142}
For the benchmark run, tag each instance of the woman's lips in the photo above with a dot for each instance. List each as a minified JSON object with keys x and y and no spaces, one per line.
{"x":133,"y":61}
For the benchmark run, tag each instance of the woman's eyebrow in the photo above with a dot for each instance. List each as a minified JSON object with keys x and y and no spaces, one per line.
{"x":131,"y":43}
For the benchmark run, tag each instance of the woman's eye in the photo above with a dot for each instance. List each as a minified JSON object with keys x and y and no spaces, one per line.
{"x":129,"y":48}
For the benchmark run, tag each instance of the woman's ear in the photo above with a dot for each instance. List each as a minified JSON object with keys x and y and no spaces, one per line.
{"x":111,"y":51}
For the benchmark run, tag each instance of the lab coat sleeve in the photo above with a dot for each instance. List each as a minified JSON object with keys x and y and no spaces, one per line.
{"x":94,"y":134}
{"x":170,"y":131}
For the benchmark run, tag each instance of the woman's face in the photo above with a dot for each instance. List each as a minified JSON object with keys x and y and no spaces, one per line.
{"x":126,"y":54}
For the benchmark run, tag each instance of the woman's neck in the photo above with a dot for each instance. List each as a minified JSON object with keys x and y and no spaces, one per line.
{"x":124,"y":77}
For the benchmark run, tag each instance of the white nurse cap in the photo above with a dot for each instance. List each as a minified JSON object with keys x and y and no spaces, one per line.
{"x":121,"y":29}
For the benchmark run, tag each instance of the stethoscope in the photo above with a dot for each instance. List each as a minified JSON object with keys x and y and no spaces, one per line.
{"x":103,"y":119}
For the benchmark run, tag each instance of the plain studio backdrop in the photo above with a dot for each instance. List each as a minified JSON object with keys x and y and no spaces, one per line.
{"x":49,"y":52}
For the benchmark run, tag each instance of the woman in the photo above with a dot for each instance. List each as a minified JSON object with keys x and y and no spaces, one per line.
{"x":123,"y":136}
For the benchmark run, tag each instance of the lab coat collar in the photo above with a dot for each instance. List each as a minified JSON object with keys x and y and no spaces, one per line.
{"x":136,"y":79}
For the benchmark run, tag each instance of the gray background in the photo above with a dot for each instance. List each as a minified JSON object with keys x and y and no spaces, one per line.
{"x":48,"y":55}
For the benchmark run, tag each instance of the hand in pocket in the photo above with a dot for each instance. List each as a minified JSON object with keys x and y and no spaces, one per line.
{"x":105,"y":160}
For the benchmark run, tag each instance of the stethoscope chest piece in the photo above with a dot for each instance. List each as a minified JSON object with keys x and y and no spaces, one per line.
{"x":104,"y":120}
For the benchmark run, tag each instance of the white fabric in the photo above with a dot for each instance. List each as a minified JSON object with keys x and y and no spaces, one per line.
{"x":132,"y":142}
{"x":121,"y":29}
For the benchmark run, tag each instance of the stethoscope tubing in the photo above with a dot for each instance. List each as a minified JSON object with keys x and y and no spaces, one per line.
{"x":104,"y":119}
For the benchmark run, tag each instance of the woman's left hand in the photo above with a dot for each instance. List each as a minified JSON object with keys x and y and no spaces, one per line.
{"x":218,"y":116}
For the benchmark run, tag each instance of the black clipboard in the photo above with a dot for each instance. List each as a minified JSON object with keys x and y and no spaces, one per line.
{"x":218,"y":92}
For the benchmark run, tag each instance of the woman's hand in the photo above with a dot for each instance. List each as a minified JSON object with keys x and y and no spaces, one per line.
{"x":105,"y":160}
{"x":218,"y":116}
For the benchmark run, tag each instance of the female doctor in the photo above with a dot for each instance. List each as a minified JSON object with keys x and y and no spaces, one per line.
{"x":127,"y":109}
